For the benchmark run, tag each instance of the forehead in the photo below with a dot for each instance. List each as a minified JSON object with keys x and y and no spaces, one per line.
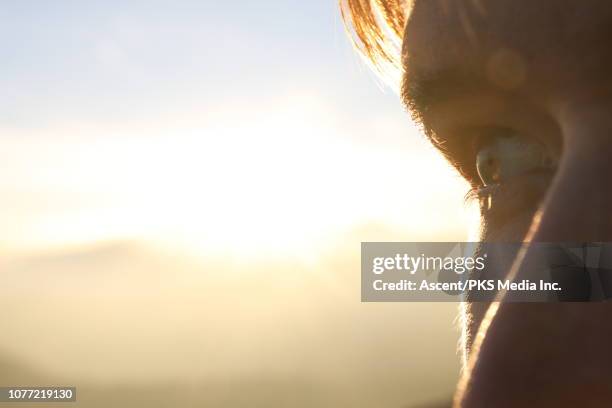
{"x":554,"y":38}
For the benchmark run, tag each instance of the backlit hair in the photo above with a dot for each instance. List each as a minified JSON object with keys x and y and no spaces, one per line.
{"x":376,"y":28}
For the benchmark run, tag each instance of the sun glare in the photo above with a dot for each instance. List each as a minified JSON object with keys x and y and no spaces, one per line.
{"x":281,"y":178}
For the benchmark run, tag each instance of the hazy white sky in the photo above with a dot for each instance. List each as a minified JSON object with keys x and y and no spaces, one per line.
{"x":249,"y":134}
{"x":205,"y":123}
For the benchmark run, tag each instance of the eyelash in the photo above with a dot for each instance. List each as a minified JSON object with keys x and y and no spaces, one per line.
{"x":479,"y":193}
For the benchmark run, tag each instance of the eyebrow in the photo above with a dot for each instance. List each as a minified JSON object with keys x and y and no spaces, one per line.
{"x":422,"y":89}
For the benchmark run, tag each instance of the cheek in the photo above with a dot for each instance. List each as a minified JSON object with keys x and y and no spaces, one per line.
{"x":513,"y":230}
{"x":508,"y":210}
{"x":498,"y":266}
{"x":500,"y":258}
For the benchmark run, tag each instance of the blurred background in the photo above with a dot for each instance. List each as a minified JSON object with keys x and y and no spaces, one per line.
{"x":185,"y":186}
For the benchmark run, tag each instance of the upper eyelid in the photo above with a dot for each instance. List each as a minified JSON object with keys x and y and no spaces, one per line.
{"x":459,"y":118}
{"x":484,"y":134}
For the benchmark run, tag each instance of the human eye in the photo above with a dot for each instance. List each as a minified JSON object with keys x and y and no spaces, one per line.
{"x":506,"y":153}
{"x":513,"y":169}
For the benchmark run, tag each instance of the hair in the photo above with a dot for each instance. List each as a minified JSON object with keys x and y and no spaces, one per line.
{"x":376,"y":28}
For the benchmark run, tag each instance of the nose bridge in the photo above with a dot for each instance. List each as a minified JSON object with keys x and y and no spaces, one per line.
{"x":578,"y":206}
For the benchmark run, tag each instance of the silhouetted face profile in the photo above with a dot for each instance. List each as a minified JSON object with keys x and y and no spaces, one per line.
{"x":518,"y":95}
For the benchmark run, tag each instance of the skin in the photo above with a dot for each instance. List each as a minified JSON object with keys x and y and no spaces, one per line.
{"x":543,"y":68}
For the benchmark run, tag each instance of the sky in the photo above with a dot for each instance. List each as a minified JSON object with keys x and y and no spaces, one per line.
{"x":182,"y":174}
{"x":212,"y":123}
